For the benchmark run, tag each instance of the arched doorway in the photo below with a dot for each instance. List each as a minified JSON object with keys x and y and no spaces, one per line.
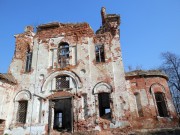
{"x":65,"y":85}
{"x":61,"y":103}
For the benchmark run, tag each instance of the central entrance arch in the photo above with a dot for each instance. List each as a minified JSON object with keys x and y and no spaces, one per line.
{"x":53,"y":75}
{"x":61,"y":101}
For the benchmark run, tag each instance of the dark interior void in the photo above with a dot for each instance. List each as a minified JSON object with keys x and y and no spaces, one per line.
{"x":63,"y":115}
{"x":104,"y":105}
{"x":161,"y":105}
{"x":99,"y":50}
{"x":2,"y":121}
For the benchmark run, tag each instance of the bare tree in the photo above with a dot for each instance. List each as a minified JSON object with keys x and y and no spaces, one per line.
{"x":171,"y":66}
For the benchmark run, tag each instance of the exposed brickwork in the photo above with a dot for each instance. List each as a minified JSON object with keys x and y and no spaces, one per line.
{"x":80,"y":107}
{"x":72,"y":32}
{"x":60,"y":94}
{"x":146,"y":82}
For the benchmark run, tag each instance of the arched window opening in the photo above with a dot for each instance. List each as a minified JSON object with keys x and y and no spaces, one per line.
{"x":28,"y":60}
{"x":99,"y":50}
{"x":63,"y":54}
{"x":104,"y":105}
{"x":161,"y":105}
{"x":138,"y":103}
{"x":21,"y":105}
{"x":22,"y":111}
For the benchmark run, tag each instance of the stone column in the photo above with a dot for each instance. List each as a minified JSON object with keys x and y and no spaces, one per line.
{"x":111,"y":107}
{"x":97,"y":108}
{"x":51,"y":116}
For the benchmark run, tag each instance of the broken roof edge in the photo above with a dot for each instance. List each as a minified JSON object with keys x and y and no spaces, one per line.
{"x":146,"y":73}
{"x":7,"y":77}
{"x":59,"y":24}
{"x":48,"y":25}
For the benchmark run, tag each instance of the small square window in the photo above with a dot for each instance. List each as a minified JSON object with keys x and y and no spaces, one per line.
{"x":62,"y":82}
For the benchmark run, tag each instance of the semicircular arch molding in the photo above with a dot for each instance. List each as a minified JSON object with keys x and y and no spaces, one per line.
{"x":64,"y":40}
{"x":157,"y":87}
{"x":75,"y":78}
{"x":23,"y":95}
{"x":102,"y":87}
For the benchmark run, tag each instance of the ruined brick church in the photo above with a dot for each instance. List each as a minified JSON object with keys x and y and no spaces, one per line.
{"x":65,"y":77}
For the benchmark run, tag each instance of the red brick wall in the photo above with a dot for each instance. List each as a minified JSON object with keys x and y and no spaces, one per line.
{"x":150,"y":111}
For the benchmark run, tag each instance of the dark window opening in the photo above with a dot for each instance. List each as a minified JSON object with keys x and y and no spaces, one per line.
{"x":99,"y":50}
{"x":104,"y":105}
{"x":22,"y":111}
{"x":63,"y":55}
{"x":139,"y":106}
{"x":161,"y":105}
{"x":28,"y":61}
{"x":62,"y":82}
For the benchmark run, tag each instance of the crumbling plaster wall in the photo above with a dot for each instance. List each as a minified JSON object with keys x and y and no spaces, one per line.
{"x":26,"y":81}
{"x":6,"y":102}
{"x":82,"y":41}
{"x":86,"y":68}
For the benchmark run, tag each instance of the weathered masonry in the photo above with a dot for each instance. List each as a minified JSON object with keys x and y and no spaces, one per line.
{"x":67,"y":78}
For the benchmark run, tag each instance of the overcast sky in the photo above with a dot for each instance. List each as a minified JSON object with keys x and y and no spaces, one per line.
{"x":148,"y":27}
